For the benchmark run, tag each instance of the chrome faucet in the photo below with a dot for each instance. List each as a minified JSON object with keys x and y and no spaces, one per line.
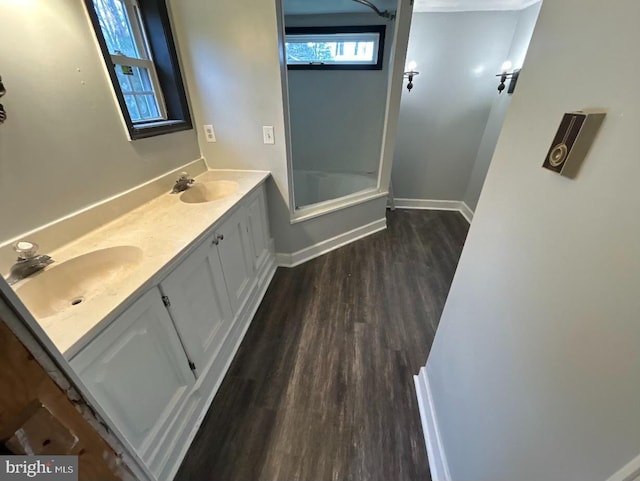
{"x":183,"y":183}
{"x":28,"y":262}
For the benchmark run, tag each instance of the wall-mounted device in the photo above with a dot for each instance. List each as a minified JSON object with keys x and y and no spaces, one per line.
{"x":505,"y":74}
{"x":3,"y":114}
{"x":573,"y":140}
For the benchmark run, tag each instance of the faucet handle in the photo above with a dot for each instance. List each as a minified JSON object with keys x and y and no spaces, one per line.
{"x":184,"y":176}
{"x":25,"y":249}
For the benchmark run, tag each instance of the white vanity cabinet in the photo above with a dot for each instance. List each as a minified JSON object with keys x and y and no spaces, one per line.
{"x":205,"y":292}
{"x":137,"y":370}
{"x":258,"y":228}
{"x":156,"y":368}
{"x":196,"y":296}
{"x":234,"y":248}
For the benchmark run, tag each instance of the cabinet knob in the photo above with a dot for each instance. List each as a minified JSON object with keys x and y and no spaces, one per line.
{"x":217,"y":239}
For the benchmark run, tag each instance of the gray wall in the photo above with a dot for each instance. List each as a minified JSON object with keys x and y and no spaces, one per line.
{"x":535,"y":367}
{"x":337,"y":116}
{"x":443,"y":118}
{"x":521,"y":38}
{"x":231,"y":54}
{"x":64,"y":145}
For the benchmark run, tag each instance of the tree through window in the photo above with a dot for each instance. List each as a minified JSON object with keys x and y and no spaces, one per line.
{"x":137,"y":45}
{"x":358,"y":47}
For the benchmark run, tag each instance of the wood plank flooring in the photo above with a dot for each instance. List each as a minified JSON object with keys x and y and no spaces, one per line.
{"x":321,"y":388}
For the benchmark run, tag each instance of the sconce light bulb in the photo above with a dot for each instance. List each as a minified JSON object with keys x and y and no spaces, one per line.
{"x":506,"y":66}
{"x":411,"y":66}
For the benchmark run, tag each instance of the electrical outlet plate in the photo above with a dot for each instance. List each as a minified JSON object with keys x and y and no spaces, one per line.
{"x":267,"y":134}
{"x":209,"y":134}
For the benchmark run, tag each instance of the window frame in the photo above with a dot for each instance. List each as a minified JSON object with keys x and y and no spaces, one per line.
{"x":375,"y":29}
{"x":165,"y":76}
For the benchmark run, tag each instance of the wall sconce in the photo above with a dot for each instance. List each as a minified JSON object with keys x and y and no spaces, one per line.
{"x":508,"y":75}
{"x":3,"y":114}
{"x":410,"y":73}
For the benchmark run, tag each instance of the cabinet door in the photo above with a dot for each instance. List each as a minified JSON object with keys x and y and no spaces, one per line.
{"x":199,"y":304}
{"x":258,"y":227}
{"x":138,"y":372}
{"x":236,"y":258}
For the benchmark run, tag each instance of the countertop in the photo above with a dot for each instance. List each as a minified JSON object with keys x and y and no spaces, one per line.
{"x":165,"y":229}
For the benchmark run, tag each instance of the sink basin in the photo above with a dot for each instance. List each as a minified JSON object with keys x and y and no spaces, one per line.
{"x":209,"y":191}
{"x":69,"y":284}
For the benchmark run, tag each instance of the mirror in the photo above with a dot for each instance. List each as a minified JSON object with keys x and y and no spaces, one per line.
{"x":338,"y":54}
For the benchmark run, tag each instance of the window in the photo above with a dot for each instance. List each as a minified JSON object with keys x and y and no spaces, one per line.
{"x":335,"y":48}
{"x":136,"y":43}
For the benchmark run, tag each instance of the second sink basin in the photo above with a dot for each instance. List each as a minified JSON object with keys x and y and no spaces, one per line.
{"x":68,"y":284}
{"x":209,"y":191}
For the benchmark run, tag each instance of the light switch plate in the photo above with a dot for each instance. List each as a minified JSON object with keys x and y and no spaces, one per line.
{"x":267,"y":134}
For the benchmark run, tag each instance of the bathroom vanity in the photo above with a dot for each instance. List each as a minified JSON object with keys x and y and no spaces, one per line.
{"x":163,"y":298}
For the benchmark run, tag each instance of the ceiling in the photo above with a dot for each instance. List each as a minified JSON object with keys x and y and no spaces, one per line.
{"x":470,"y":5}
{"x":310,"y":7}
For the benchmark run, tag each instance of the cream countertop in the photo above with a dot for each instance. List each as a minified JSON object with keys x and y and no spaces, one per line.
{"x":164,"y":229}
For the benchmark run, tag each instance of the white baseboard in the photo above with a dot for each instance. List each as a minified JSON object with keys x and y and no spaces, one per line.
{"x":316,"y":250}
{"x":466,"y":212}
{"x":435,"y":450}
{"x":430,"y":204}
{"x":629,"y":472}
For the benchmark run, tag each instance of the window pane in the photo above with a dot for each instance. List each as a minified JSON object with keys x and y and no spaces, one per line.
{"x":309,"y":52}
{"x":116,"y":27}
{"x":345,"y":48}
{"x":142,"y":107}
{"x":123,"y":79}
{"x":133,"y":108}
{"x":153,"y":106}
{"x":145,"y":78}
{"x":140,"y":97}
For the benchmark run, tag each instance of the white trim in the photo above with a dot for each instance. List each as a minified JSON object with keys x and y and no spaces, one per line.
{"x":466,"y":211}
{"x":629,"y":472}
{"x":435,"y":450}
{"x":316,"y":250}
{"x":330,"y":206}
{"x":422,"y":6}
{"x":430,"y":204}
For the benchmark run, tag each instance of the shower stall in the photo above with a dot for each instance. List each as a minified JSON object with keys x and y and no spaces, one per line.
{"x":337,"y":55}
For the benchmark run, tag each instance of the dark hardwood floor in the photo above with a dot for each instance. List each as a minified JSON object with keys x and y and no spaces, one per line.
{"x":321,"y":387}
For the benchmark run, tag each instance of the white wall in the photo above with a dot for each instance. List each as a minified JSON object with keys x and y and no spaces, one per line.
{"x":231,"y":53}
{"x":443,"y":118}
{"x":64,"y":146}
{"x":337,"y":116}
{"x":521,"y":38}
{"x":535,"y":368}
